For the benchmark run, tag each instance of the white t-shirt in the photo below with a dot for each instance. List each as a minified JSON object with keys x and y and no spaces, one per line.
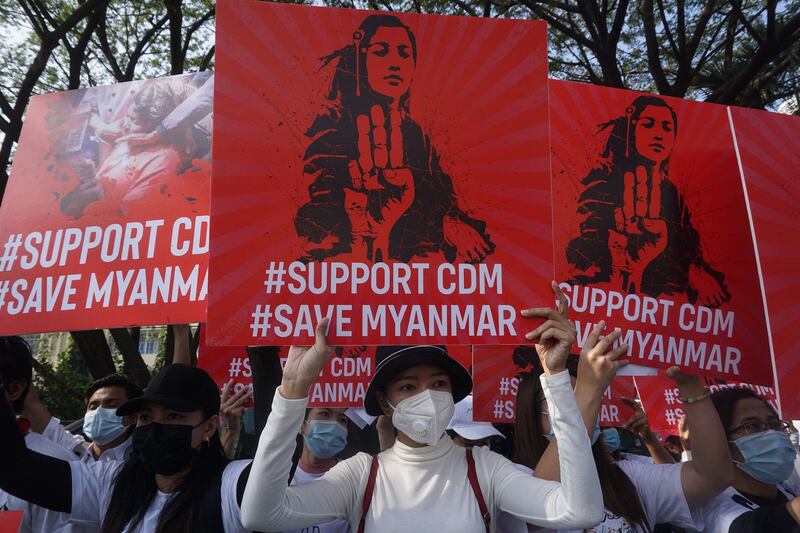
{"x":38,"y":519}
{"x":334,"y":526}
{"x":719,"y":513}
{"x":94,"y":482}
{"x":660,"y":493}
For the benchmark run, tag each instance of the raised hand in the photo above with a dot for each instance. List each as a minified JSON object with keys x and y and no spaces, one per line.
{"x":599,"y":361}
{"x":639,"y":234}
{"x":638,"y":423}
{"x":304,"y":363}
{"x":232,"y":406}
{"x":555,"y":336}
{"x":380,"y":163}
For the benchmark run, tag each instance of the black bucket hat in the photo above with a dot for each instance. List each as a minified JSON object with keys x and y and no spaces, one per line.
{"x":179,"y":387}
{"x":393,"y":359}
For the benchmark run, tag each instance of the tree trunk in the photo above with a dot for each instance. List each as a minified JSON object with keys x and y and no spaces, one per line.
{"x":94,"y":348}
{"x":135,"y":368}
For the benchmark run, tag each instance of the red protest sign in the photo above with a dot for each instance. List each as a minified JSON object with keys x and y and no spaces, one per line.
{"x":769,"y":166}
{"x":225,"y":363}
{"x":343,"y":382}
{"x":10,"y":521}
{"x":660,"y":401}
{"x":614,"y":412}
{"x":651,"y":229}
{"x":768,"y":393}
{"x":659,"y":397}
{"x":496,"y":372}
{"x":104,"y":221}
{"x":400,"y":185}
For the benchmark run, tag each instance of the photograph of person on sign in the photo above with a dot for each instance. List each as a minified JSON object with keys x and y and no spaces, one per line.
{"x":378,"y":188}
{"x":387,"y":170}
{"x":119,"y":145}
{"x":652,"y":231}
{"x":637,"y":232}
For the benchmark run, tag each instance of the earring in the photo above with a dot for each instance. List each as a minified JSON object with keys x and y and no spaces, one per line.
{"x":628,"y":116}
{"x":357,"y":37}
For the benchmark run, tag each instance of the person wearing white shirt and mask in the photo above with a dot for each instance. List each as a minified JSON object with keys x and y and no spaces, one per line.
{"x":107,"y":433}
{"x":638,"y":495}
{"x":760,"y":500}
{"x":324,"y":433}
{"x":423,"y":483}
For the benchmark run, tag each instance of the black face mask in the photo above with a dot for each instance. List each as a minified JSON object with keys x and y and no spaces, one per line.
{"x":164,"y":448}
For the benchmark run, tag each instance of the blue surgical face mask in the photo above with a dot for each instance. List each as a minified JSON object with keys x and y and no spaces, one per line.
{"x":325,"y":438}
{"x":768,"y":456}
{"x":611,"y":436}
{"x":102,"y":425}
{"x":595,"y":435}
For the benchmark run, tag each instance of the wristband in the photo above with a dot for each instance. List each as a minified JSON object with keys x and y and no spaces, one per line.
{"x":694,"y":399}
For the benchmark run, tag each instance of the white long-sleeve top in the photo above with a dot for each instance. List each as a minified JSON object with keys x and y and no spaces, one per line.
{"x":424,"y":489}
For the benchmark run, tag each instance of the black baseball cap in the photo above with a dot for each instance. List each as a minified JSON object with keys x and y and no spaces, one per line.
{"x":394,"y":359}
{"x":179,"y":387}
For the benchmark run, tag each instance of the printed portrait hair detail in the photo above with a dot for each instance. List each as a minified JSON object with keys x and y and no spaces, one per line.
{"x":377,"y":188}
{"x":636,"y":230}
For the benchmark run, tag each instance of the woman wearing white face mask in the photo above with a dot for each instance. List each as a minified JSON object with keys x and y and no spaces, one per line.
{"x":424,"y":483}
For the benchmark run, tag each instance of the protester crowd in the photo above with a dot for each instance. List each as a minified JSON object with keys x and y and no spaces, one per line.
{"x":170,"y":458}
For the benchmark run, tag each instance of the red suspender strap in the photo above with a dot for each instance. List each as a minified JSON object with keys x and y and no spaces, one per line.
{"x":368,"y":492}
{"x":476,"y":488}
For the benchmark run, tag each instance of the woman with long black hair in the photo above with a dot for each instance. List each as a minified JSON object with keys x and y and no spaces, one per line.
{"x":378,"y":190}
{"x":176,"y":480}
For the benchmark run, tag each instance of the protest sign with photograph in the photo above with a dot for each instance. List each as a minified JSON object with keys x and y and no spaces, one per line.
{"x":770,"y":159}
{"x":651,"y":230}
{"x":104,"y":221}
{"x":388,"y":170}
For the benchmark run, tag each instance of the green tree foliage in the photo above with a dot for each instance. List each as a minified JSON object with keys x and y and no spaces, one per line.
{"x":69,"y":371}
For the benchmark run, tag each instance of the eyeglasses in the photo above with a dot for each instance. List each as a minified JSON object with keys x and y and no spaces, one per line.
{"x":751,"y":428}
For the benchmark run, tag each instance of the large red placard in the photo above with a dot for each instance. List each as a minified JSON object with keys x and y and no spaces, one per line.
{"x":771,"y":167}
{"x":660,"y":399}
{"x":104,"y":221}
{"x":651,"y":229}
{"x":400,"y":184}
{"x":342,"y":383}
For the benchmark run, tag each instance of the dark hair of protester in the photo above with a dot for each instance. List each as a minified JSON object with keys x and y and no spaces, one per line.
{"x":115,"y":380}
{"x":619,"y":492}
{"x":725,"y":400}
{"x":529,"y":441}
{"x":16,"y":365}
